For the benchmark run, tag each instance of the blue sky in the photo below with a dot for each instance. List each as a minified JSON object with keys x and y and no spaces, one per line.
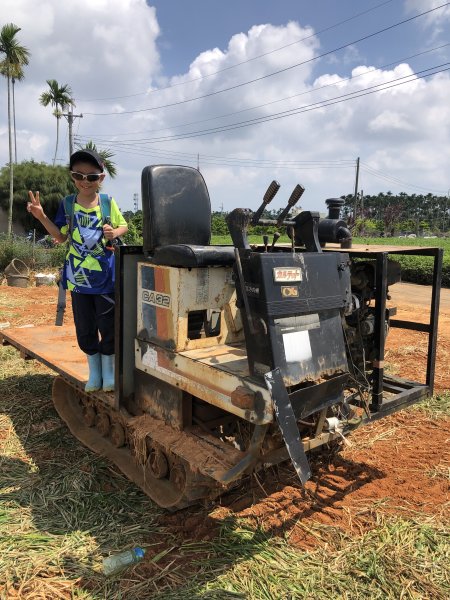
{"x":188,"y":28}
{"x":171,"y":81}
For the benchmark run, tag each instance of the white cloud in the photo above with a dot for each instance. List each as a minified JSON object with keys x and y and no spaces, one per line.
{"x":435,"y":22}
{"x":99,"y":48}
{"x":389,"y":120}
{"x":392,"y":120}
{"x":434,"y":17}
{"x":112,"y":52}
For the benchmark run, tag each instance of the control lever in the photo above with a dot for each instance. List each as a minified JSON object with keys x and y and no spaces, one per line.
{"x":266,"y":242}
{"x":294,"y":198}
{"x":268,"y":197}
{"x":292,"y":236}
{"x":276,"y":235}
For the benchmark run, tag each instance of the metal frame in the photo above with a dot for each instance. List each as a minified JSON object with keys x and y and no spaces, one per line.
{"x":127,"y":258}
{"x":407,"y":392}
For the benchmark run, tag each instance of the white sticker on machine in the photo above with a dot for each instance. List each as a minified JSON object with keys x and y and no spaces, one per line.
{"x":150,"y":358}
{"x":297,"y":346}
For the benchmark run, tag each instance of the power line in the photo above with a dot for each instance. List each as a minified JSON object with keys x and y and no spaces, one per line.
{"x":313,"y":90}
{"x":299,"y":110}
{"x":236,"y":161}
{"x":393,"y":179}
{"x":271,"y":165}
{"x":285,"y":69}
{"x":242,"y":62}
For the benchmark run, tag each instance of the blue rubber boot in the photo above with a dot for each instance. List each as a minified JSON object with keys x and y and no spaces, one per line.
{"x":108,"y":372}
{"x":94,"y":382}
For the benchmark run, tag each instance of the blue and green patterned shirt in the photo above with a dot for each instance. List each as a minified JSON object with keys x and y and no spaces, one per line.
{"x":89,"y":266}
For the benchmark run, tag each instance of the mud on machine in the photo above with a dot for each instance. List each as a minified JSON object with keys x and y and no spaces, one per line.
{"x":233,"y":358}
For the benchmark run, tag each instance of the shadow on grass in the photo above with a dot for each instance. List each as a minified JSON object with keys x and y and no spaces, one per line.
{"x":62,"y":506}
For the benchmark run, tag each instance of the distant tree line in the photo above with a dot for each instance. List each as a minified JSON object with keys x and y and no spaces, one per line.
{"x":53,"y":183}
{"x":393,"y":214}
{"x":384,"y":214}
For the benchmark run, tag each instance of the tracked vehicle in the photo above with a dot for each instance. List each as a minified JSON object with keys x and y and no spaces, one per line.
{"x":233,"y":358}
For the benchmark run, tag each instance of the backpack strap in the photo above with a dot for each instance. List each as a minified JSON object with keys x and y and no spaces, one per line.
{"x":69,"y":202}
{"x":105,"y":211}
{"x":105,"y":208}
{"x":61,"y":305}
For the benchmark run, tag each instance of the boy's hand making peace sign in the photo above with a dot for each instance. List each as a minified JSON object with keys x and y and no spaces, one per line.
{"x":34,"y":205}
{"x":35,"y":208}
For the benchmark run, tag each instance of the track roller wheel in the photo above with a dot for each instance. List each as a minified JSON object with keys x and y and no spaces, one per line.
{"x":117,"y":435}
{"x":176,"y":489}
{"x":157,"y":463}
{"x":89,"y":415}
{"x":177,"y":477}
{"x":103,"y":424}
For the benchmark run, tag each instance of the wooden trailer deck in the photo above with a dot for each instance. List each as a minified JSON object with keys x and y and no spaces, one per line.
{"x":55,"y":347}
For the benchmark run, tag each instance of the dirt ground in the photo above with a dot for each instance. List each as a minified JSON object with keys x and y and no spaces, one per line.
{"x":399,"y":464}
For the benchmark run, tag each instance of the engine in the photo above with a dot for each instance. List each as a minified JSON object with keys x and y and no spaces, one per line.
{"x":359,"y":325}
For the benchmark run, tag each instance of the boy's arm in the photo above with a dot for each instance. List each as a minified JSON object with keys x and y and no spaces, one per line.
{"x":122,"y":230}
{"x":35,"y":208}
{"x":118,"y":225}
{"x":111,"y":233}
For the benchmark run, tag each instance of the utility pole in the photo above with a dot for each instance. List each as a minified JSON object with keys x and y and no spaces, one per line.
{"x":198,"y":161}
{"x":363,"y":221}
{"x":355,"y":197}
{"x":70,"y":117}
{"x":135,"y":201}
{"x":14,"y":120}
{"x":446,"y":209}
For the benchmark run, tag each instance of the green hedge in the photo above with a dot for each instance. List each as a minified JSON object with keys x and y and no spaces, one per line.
{"x":416,"y":269}
{"x":35,"y":258}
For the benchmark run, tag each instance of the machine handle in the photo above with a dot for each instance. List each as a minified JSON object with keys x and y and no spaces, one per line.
{"x":268,"y":197}
{"x":297,"y":193}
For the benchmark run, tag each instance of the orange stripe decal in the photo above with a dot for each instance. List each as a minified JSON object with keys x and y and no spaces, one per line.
{"x":163,"y":315}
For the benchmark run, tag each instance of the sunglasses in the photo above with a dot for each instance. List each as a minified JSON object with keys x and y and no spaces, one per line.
{"x":89,"y":177}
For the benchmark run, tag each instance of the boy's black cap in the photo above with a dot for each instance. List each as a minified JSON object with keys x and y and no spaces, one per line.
{"x":89,"y":156}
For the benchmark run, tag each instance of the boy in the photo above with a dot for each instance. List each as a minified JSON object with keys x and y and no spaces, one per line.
{"x":89,"y":266}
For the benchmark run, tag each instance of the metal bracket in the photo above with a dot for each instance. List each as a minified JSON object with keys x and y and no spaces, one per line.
{"x":287,"y":423}
{"x":61,"y":307}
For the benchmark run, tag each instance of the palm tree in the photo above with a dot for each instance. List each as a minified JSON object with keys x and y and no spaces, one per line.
{"x":15,"y":57}
{"x":106,"y":155}
{"x":60,"y":97}
{"x":18,"y":75}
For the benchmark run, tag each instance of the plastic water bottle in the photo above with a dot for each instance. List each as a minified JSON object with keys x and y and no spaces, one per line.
{"x":119,"y":562}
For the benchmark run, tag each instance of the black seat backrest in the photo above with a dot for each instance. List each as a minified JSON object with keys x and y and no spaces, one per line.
{"x":176,"y":208}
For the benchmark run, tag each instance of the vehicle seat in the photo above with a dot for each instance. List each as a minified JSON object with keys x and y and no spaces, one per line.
{"x":176,"y":213}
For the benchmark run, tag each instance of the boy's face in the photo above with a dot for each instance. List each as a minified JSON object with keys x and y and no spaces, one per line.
{"x":86,"y":168}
